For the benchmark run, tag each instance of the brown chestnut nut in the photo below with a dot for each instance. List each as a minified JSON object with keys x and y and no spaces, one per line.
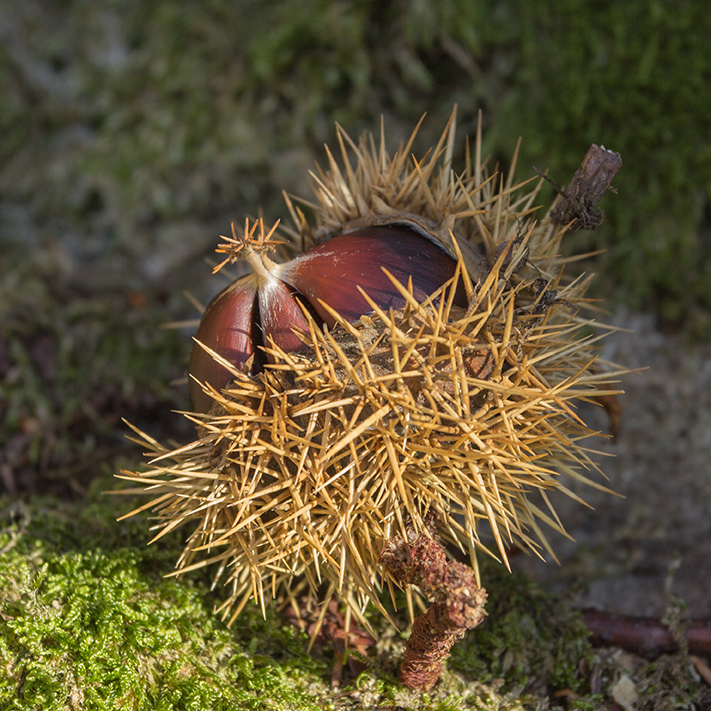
{"x":266,"y":306}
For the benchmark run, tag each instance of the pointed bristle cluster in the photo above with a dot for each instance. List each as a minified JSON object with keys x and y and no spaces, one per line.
{"x":254,"y":239}
{"x":302,"y":472}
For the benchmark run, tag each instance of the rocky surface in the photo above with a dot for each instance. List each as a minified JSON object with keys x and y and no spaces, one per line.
{"x":631,"y":551}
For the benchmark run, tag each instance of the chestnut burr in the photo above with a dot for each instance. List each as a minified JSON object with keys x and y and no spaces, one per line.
{"x":412,"y":375}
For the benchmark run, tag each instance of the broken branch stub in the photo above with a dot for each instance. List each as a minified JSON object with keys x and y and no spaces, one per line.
{"x":591,"y":181}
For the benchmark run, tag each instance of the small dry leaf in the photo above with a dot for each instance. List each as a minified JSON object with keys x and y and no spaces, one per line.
{"x":625,"y":693}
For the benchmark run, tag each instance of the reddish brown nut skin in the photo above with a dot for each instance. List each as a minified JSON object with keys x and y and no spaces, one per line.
{"x":226,"y":328}
{"x":256,"y":312}
{"x":333,"y":271}
{"x":280,"y":315}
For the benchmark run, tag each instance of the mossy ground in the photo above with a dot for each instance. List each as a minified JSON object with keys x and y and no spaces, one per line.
{"x":130,"y":135}
{"x":90,"y":622}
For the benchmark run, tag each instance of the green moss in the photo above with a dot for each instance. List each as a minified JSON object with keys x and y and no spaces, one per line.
{"x":96,"y":626}
{"x":86,"y":626}
{"x":530,"y":640}
{"x":632,"y":76}
{"x":594,"y":703}
{"x":87,"y":610}
{"x":89,"y":620}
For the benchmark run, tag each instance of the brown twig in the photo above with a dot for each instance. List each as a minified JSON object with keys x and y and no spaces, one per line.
{"x":645,"y":636}
{"x":458,"y":605}
{"x":590,"y":182}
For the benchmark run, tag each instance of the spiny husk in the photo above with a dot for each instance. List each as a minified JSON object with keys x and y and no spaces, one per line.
{"x":301,"y":473}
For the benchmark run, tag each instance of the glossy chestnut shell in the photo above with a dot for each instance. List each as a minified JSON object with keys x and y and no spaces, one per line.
{"x":267,"y":307}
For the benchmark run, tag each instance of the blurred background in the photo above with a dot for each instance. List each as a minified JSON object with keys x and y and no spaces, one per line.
{"x":133,"y":133}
